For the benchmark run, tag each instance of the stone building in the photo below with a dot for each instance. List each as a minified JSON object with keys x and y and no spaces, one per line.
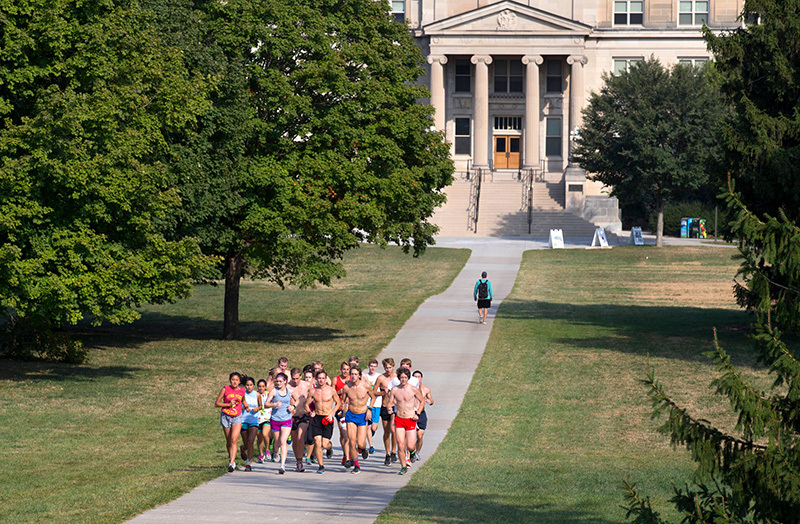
{"x":508,"y":80}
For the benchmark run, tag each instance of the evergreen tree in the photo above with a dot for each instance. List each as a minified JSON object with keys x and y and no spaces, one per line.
{"x":753,"y":475}
{"x":651,"y":135}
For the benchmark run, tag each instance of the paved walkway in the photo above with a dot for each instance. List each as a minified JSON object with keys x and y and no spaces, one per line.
{"x":444,"y":340}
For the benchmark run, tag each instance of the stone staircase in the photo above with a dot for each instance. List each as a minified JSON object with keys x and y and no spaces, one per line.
{"x":502,"y":211}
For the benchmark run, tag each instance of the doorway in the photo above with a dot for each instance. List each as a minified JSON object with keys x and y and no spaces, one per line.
{"x":506,"y":152}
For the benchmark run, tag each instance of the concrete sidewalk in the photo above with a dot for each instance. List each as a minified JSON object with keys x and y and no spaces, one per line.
{"x":444,"y":340}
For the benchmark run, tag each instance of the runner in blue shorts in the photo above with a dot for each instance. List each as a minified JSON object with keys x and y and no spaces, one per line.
{"x":358,"y":401}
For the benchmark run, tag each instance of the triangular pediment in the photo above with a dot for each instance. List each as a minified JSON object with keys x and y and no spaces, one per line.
{"x":507,"y":17}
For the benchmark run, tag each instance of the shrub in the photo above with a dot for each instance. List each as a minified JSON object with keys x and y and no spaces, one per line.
{"x":673,"y":213}
{"x":34,"y":339}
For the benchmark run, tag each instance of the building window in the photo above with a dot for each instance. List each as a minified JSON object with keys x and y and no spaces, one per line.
{"x":463,"y":136}
{"x":693,"y":12}
{"x":505,"y":123}
{"x":623,"y":64}
{"x":628,"y":12}
{"x":694,"y":62}
{"x":553,"y":73}
{"x":399,"y":10}
{"x":552,"y":146}
{"x":507,"y":76}
{"x":463,"y":76}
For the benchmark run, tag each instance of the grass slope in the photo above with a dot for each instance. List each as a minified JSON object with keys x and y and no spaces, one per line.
{"x":135,"y":427}
{"x":555,"y":416}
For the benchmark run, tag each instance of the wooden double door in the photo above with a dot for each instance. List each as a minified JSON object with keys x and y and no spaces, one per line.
{"x":506,"y":151}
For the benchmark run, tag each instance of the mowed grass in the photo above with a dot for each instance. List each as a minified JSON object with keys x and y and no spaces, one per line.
{"x":136,"y":425}
{"x":555,"y":417}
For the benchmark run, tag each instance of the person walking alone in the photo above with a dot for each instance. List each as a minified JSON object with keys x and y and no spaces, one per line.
{"x":483,"y":295}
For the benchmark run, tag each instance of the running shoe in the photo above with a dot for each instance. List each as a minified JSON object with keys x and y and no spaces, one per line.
{"x":329,"y":453}
{"x":371,"y":450}
{"x":231,"y":467}
{"x":321,"y":470}
{"x":261,"y":458}
{"x":313,"y":459}
{"x":364,"y":453}
{"x":394,"y":457}
{"x":419,"y":455}
{"x":242,"y":453}
{"x":300,"y":467}
{"x":356,"y":469}
{"x":274,"y":456}
{"x":348,"y":464}
{"x":248,"y":468}
{"x":281,"y":470}
{"x":387,"y":460}
{"x":403,"y":470}
{"x":413,"y":457}
{"x":289,"y":440}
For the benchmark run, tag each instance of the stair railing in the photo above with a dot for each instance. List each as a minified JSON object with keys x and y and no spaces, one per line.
{"x":527,"y":177}
{"x":475,"y":177}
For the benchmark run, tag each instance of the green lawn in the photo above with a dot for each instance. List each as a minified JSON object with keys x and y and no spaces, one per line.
{"x":554,"y":418}
{"x":135,"y":426}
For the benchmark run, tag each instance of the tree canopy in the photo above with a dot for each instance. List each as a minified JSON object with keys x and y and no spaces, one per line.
{"x":87,"y":93}
{"x":318,"y":144}
{"x":651,"y":134}
{"x":751,"y":473}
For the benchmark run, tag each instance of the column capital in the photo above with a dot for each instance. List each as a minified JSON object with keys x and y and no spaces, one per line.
{"x":532,"y":59}
{"x":486,"y":59}
{"x":442,"y":59}
{"x":577,"y":59}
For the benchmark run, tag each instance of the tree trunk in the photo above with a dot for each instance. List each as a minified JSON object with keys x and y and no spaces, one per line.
{"x":660,"y":225}
{"x":234,"y":264}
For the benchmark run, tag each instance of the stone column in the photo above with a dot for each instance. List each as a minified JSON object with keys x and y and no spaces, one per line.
{"x":480,"y":156}
{"x":532,"y":63}
{"x":437,"y":63}
{"x":576,"y":94}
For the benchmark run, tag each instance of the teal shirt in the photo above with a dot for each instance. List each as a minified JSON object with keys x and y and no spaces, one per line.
{"x":489,"y":285}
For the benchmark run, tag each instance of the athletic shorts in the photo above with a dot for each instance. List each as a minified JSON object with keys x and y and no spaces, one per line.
{"x":376,"y":413}
{"x":246,"y":426}
{"x":356,"y":418}
{"x":386,"y":414}
{"x":319,"y":429}
{"x":407,"y":424}
{"x":228,"y":421}
{"x":422,"y":421}
{"x":262,"y":424}
{"x":484,"y":303}
{"x":296,"y":421}
{"x":276,"y":425}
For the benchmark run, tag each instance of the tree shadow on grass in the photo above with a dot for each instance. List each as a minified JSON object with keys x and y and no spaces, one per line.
{"x":684,"y":333}
{"x":16,"y":370}
{"x":459,"y":508}
{"x":159,"y":326}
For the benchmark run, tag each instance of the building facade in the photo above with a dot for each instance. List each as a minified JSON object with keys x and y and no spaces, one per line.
{"x":508,"y":79}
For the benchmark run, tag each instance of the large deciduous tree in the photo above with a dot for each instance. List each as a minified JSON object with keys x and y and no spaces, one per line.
{"x":87,"y":93}
{"x":316,"y":142}
{"x":651,"y":134}
{"x":751,"y":473}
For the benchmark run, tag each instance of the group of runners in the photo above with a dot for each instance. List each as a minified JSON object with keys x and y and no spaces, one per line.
{"x":301,"y":406}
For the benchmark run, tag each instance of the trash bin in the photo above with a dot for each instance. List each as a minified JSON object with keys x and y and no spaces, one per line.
{"x":697,"y":228}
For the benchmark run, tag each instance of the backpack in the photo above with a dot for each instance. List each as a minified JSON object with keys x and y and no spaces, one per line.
{"x":483,"y":290}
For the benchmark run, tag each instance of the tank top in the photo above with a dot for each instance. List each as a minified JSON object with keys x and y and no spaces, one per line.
{"x":372,"y":380}
{"x":231,"y":393}
{"x":252,"y":403}
{"x":339,"y":383}
{"x":266,"y":413}
{"x":281,"y":413}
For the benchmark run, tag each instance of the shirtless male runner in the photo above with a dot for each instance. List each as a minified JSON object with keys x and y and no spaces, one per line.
{"x":407,"y":401}
{"x":358,"y":402}
{"x":372,"y":377}
{"x":300,"y":417}
{"x":382,"y":390}
{"x":326,"y":403}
